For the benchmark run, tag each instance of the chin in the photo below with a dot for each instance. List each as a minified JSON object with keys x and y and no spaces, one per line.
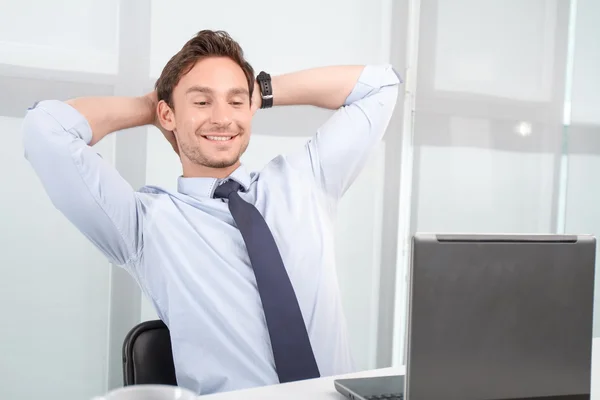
{"x":225,"y":163}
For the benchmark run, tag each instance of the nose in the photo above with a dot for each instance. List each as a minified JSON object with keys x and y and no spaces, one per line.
{"x":220,"y":114}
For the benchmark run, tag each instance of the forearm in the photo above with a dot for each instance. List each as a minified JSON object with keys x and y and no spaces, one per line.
{"x":110,"y":114}
{"x":326,"y":87}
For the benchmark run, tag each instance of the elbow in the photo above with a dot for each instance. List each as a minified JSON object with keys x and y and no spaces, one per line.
{"x":388,"y":93}
{"x":52,"y":125}
{"x":41,"y":135}
{"x":38,"y":134}
{"x":31,"y":136}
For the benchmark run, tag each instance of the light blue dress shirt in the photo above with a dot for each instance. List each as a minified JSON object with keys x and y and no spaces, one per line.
{"x":186,"y":253}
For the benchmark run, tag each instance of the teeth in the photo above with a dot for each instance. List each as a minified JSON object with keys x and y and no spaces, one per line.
{"x":218,"y":138}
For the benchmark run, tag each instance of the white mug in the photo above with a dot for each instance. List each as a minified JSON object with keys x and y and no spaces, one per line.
{"x":149,"y":392}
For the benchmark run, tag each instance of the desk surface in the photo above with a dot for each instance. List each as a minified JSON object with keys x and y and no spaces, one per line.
{"x":322,"y":388}
{"x":317,"y":389}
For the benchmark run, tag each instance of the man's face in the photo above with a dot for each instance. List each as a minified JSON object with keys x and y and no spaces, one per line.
{"x":212,"y":114}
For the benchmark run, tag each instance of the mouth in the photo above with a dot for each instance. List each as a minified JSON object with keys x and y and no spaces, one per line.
{"x":219,"y":138}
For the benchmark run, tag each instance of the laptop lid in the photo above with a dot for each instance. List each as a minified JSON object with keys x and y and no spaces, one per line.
{"x":500,"y":316}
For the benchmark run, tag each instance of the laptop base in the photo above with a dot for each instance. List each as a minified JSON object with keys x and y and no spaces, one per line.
{"x":379,"y":387}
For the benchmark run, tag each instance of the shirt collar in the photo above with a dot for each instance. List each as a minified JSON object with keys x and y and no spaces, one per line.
{"x":205,"y":187}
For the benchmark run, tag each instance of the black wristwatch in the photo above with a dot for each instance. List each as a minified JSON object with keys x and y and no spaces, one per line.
{"x":266,"y":90}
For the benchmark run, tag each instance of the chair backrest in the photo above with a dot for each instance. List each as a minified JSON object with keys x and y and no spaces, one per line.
{"x":147,"y":355}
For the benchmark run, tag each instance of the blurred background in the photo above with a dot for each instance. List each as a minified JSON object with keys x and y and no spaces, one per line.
{"x":497,"y":129}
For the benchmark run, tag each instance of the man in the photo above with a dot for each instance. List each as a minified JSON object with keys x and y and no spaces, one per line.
{"x":239,"y":265}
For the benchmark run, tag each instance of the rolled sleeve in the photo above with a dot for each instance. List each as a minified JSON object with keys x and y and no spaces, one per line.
{"x":372,"y":78}
{"x":67,"y":117}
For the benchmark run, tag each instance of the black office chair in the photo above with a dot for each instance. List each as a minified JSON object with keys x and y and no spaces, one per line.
{"x":147,"y":355}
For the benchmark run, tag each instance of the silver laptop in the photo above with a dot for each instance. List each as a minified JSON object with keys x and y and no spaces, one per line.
{"x":494,"y":317}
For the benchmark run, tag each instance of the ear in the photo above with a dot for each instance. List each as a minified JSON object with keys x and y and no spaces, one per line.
{"x":166,"y":116}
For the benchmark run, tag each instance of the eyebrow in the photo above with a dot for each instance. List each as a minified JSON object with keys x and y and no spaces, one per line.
{"x":207,"y":90}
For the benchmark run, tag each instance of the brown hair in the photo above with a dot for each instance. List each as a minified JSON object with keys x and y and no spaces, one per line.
{"x":206,"y":43}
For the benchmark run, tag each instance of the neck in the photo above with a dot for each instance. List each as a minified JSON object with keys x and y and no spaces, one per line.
{"x":191,"y":170}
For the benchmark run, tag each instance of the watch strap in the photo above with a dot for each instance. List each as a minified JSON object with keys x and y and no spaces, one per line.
{"x":266,"y":89}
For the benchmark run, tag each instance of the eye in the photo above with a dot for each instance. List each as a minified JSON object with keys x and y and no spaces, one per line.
{"x":201,"y":103}
{"x":237,"y":103}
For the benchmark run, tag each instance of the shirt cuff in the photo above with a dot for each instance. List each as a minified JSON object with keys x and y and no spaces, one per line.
{"x":67,"y":116}
{"x":371,"y":79}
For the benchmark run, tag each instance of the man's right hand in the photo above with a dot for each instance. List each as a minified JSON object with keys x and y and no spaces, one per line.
{"x":153,"y":101}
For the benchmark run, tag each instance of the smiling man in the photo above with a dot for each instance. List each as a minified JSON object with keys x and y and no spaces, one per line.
{"x":240,"y":265}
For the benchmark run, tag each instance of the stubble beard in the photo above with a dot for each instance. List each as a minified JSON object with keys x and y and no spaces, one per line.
{"x":196,"y":156}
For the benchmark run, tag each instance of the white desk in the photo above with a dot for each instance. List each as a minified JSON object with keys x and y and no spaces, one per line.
{"x":313,"y":389}
{"x":323,"y":389}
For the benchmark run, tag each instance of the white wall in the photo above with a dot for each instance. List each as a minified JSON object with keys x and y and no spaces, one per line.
{"x":488,"y":114}
{"x":341,"y":32}
{"x":60,"y":35}
{"x":585,"y":93}
{"x":484,"y":190}
{"x":500,"y":48}
{"x":54,"y":289}
{"x":278,"y":36}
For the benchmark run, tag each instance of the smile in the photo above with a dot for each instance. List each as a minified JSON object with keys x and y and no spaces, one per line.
{"x":219,"y":138}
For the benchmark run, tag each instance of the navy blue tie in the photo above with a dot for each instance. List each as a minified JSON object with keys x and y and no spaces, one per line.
{"x":294,"y":358}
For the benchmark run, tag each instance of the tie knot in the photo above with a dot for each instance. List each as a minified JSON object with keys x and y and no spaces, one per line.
{"x":224,"y":190}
